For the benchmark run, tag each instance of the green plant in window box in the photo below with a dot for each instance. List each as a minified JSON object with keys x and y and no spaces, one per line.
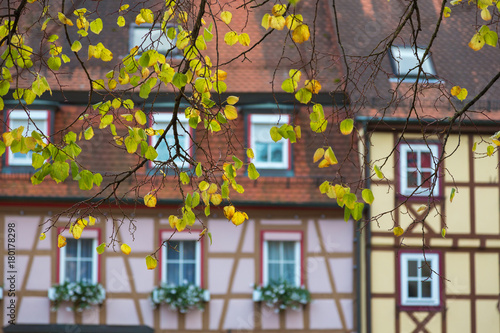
{"x":182,"y":298}
{"x":82,"y":294}
{"x":282,"y":296}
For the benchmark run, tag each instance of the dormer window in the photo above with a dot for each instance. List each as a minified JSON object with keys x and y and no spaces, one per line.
{"x":405,"y":62}
{"x":147,"y":37}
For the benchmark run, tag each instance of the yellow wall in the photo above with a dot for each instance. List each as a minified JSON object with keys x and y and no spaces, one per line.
{"x":380,"y":149}
{"x":487,"y":316}
{"x":457,"y":164}
{"x":383,"y":315}
{"x":487,"y":212}
{"x":382,"y":267}
{"x":458,"y":212}
{"x":458,"y":316}
{"x":485,"y":167}
{"x":384,"y":202}
{"x":457,"y":271}
{"x":487,"y":273}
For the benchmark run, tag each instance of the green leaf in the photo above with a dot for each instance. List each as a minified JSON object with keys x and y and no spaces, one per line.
{"x":349,"y":200}
{"x":180,"y":80}
{"x":131,"y":145}
{"x":100,"y":249}
{"x":490,"y":150}
{"x":209,"y":234}
{"x":443,"y":232}
{"x":97,"y":178}
{"x":378,"y":172}
{"x":89,"y":133}
{"x":196,"y":199}
{"x":86,"y":180}
{"x":303,"y":96}
{"x":237,"y":162}
{"x":289,"y":85}
{"x":37,"y":160}
{"x":105,"y":121}
{"x":60,"y":171}
{"x":252,"y":172}
{"x":151,"y":153}
{"x":54,"y":63}
{"x":74,"y":171}
{"x":29,"y":96}
{"x":140,"y":117}
{"x":347,"y":213}
{"x":70,"y":137}
{"x":4,"y":87}
{"x":324,"y":187}
{"x":224,"y":190}
{"x":275,"y":135}
{"x":198,"y":170}
{"x":346,"y":126}
{"x":145,"y":90}
{"x":357,"y":212}
{"x":203,"y":186}
{"x":452,"y":194}
{"x":367,"y":195}
{"x":96,"y":26}
{"x":184,"y":178}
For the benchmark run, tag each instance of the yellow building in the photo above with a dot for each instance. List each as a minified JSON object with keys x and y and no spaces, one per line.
{"x":427,"y":279}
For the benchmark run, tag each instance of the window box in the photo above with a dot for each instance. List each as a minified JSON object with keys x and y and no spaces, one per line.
{"x":417,"y":169}
{"x":182,"y":298}
{"x":282,"y":296}
{"x":82,"y":294}
{"x":268,"y":154}
{"x":419,"y":280}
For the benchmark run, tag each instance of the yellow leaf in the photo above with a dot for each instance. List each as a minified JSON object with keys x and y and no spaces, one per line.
{"x":422,"y":208}
{"x":460,"y":93}
{"x":330,"y":156}
{"x":42,"y":236}
{"x":150,"y":200}
{"x":313,"y":86}
{"x":318,"y":154}
{"x":203,"y":186}
{"x":77,"y":231}
{"x":485,"y":14}
{"x":231,"y":38}
{"x":477,"y":42}
{"x":226,"y":17}
{"x":250,"y":153}
{"x":172,"y":220}
{"x":279,"y":10}
{"x":216,"y":199}
{"x":265,"y":21}
{"x":230,"y":112}
{"x":238,"y":218}
{"x":244,"y":39}
{"x":140,"y":117}
{"x":151,"y":262}
{"x":301,"y":34}
{"x":221,"y":75}
{"x":447,"y":12}
{"x":398,"y":231}
{"x":293,"y":21}
{"x":346,"y":126}
{"x":277,"y":22}
{"x":61,"y":241}
{"x":64,"y":19}
{"x":91,"y":220}
{"x":229,"y":212}
{"x":324,"y":164}
{"x":232,"y":100}
{"x":125,"y":249}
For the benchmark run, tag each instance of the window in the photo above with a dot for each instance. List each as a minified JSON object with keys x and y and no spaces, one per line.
{"x":418,"y":169}
{"x":39,"y":122}
{"x":282,"y":258}
{"x":268,"y":154}
{"x":419,"y":279}
{"x":147,"y":36}
{"x":166,"y":150}
{"x":78,"y":260}
{"x":405,"y":61}
{"x":182,"y":262}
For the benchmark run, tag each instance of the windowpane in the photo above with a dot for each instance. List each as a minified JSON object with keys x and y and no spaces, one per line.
{"x":412,"y":179}
{"x":274,"y":250}
{"x":289,"y":273}
{"x":189,"y":273}
{"x":70,"y":271}
{"x":412,"y":268}
{"x":163,"y":152}
{"x":426,"y":271}
{"x":289,"y":250}
{"x":189,"y":250}
{"x":276,"y":152}
{"x":412,"y":159}
{"x":173,"y":250}
{"x":425,"y":160}
{"x":274,"y":273}
{"x":426,"y":179}
{"x":261,"y":152}
{"x":86,"y":271}
{"x":413,"y":288}
{"x":86,"y":248}
{"x":71,"y":248}
{"x":426,"y":289}
{"x":173,"y":273}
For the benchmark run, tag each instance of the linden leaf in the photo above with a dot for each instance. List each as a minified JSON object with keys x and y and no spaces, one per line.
{"x":61,"y":241}
{"x":231,"y":38}
{"x":367,"y":195}
{"x":443,"y":232}
{"x":198,"y":170}
{"x":140,"y":117}
{"x":232,"y":100}
{"x":265,"y":21}
{"x":422,"y":208}
{"x":301,"y":34}
{"x":96,"y":26}
{"x":490,"y":150}
{"x":230,"y":112}
{"x":477,"y":42}
{"x":346,"y":126}
{"x":485,"y":14}
{"x":250,"y":153}
{"x":447,"y":12}
{"x":452,"y":194}
{"x":238,"y":218}
{"x":229,"y":212}
{"x":378,"y":172}
{"x":125,"y":249}
{"x":100,"y":249}
{"x":64,"y":19}
{"x":324,"y":164}
{"x":150,"y":200}
{"x":313,"y":86}
{"x":173,"y":220}
{"x":278,"y":10}
{"x":330,"y":156}
{"x":76,"y":46}
{"x":226,"y":17}
{"x":42,"y":236}
{"x":244,"y":39}
{"x":318,"y":154}
{"x":289,"y":85}
{"x":252,"y":172}
{"x":398,"y":231}
{"x":277,"y":22}
{"x":303,"y":95}
{"x":203,"y":186}
{"x":151,"y":262}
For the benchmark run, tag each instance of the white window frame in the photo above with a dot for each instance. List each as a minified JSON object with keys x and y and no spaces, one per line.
{"x":296,"y":238}
{"x":41,"y":120}
{"x":161,"y":120}
{"x":418,"y":148}
{"x":405,"y":63}
{"x":433,"y":262}
{"x":139,"y":35}
{"x":95,"y":259}
{"x":182,"y":236}
{"x":270,"y":120}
